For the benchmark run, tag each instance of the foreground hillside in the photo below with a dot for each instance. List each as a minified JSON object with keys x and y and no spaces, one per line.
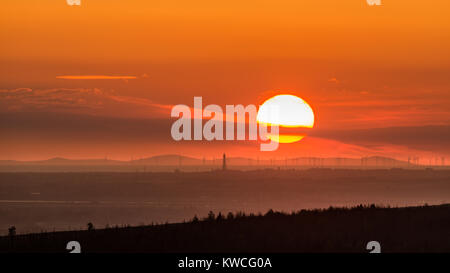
{"x":410,"y":229}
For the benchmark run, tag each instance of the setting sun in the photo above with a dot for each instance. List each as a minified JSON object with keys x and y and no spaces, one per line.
{"x":286,"y":111}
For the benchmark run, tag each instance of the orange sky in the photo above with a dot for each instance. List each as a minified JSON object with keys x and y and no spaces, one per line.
{"x":359,"y":66}
{"x":410,"y":31}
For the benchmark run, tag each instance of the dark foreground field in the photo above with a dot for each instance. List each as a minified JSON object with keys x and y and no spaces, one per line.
{"x":40,"y":202}
{"x":410,"y":229}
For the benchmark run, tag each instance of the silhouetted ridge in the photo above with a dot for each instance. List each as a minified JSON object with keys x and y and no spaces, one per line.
{"x":409,"y":229}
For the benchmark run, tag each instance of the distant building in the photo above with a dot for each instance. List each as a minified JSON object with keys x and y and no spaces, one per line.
{"x":224,"y":162}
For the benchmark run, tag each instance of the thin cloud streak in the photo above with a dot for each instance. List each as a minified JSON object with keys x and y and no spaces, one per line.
{"x":95,"y":77}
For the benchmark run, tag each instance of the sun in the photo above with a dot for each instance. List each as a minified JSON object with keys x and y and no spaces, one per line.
{"x":289,"y":112}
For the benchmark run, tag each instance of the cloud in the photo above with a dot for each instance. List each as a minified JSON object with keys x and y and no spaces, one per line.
{"x":80,"y":100}
{"x":95,"y":77}
{"x":420,"y":138}
{"x":43,"y":135}
{"x":372,"y":108}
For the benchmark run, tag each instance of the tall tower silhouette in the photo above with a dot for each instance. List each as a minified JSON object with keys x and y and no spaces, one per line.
{"x":224,"y":162}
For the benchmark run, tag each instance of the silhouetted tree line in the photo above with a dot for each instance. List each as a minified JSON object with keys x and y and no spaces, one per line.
{"x":418,"y":229}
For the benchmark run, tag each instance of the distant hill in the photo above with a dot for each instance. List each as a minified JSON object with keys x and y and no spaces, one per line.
{"x":62,"y":161}
{"x":172,"y":160}
{"x":409,"y":229}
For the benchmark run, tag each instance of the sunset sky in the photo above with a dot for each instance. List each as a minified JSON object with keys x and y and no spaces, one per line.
{"x":100,"y":79}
